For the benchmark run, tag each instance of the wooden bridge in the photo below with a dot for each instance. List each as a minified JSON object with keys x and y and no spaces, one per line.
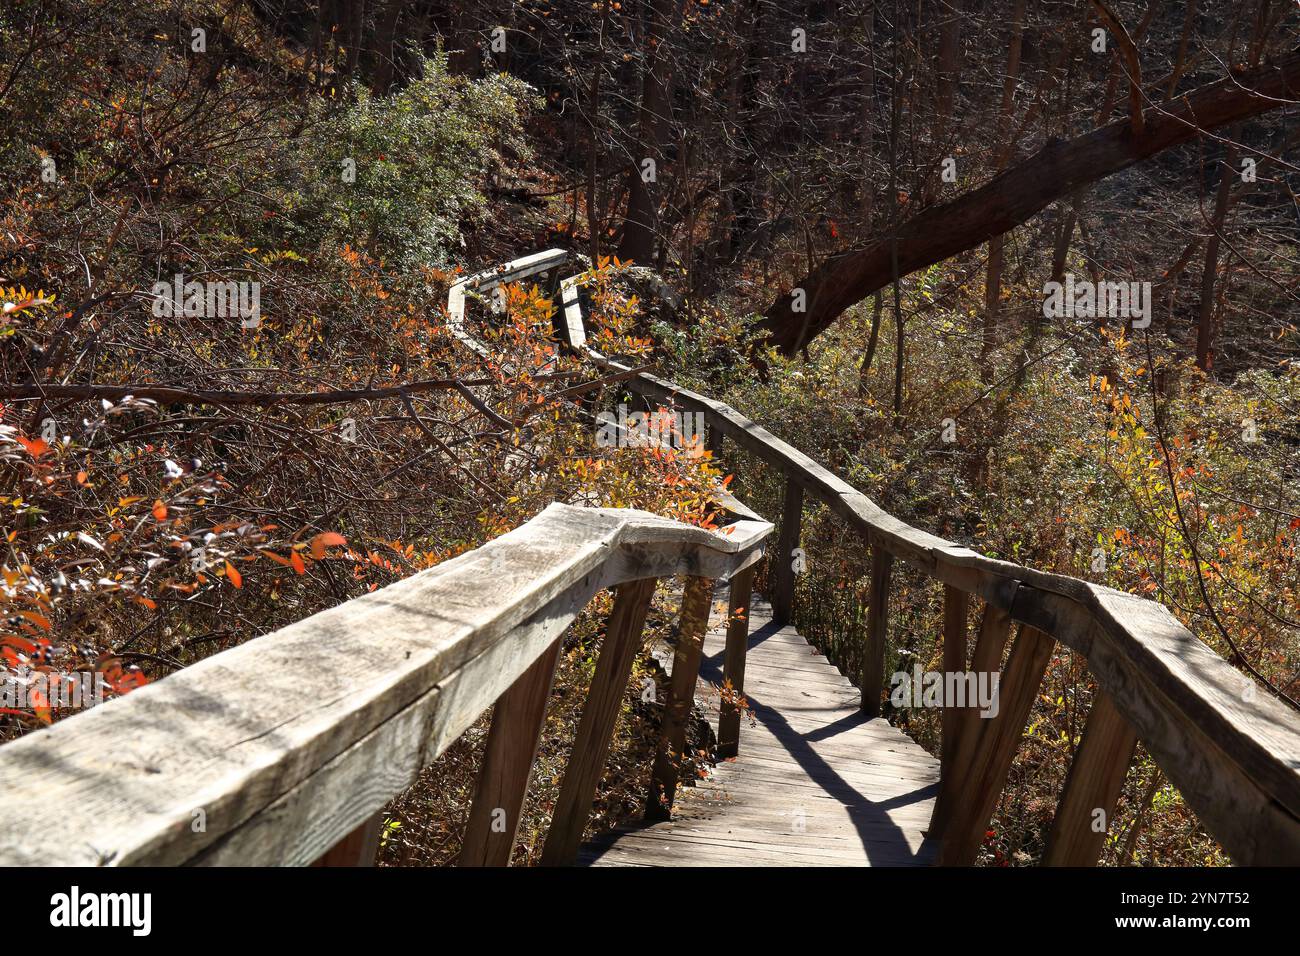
{"x":818,"y":784}
{"x":285,"y":750}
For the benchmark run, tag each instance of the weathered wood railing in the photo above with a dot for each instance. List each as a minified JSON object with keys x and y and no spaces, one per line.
{"x":1232,"y":750}
{"x":282,"y":751}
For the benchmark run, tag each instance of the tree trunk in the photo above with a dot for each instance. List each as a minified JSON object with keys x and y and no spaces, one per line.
{"x":997,"y":245}
{"x":1059,"y":168}
{"x":381,"y":75}
{"x":864,"y":369}
{"x":639,"y":227}
{"x":949,"y":67}
{"x":356,"y":14}
{"x":593,"y":124}
{"x":1209,"y":273}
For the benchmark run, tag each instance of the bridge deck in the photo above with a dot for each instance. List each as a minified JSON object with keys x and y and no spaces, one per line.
{"x":815,"y":783}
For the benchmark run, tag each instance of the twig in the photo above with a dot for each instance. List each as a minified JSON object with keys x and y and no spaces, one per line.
{"x":186,"y":396}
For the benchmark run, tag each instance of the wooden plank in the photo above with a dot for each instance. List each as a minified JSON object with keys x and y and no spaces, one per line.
{"x":1092,"y":787}
{"x":782,"y":565}
{"x":358,"y":848}
{"x":881,"y":779}
{"x":733,"y":668}
{"x":570,"y":307}
{"x":812,"y":851}
{"x":873,"y":656}
{"x":599,"y":717}
{"x":517,"y":722}
{"x":860,"y":790}
{"x":997,"y":746}
{"x":696,"y":603}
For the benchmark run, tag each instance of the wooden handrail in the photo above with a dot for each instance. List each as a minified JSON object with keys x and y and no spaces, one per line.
{"x":1232,"y":750}
{"x":276,"y":751}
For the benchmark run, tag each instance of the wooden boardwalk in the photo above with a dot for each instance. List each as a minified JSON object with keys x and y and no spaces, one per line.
{"x":815,"y":783}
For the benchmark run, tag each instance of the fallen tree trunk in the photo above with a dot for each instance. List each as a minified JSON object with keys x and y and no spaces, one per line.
{"x":1015,"y":195}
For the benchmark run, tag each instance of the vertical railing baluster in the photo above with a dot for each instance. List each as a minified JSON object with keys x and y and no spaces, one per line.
{"x":996,"y":747}
{"x":873,"y":656}
{"x":782,"y":566}
{"x":1092,"y":787}
{"x":517,"y":722}
{"x":995,"y":628}
{"x":956,"y":609}
{"x":714,"y":442}
{"x":599,"y":717}
{"x":358,"y":848}
{"x":733,"y":667}
{"x":681,"y":697}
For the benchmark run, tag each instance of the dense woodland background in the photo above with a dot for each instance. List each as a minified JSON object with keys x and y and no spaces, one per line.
{"x":799,"y":154}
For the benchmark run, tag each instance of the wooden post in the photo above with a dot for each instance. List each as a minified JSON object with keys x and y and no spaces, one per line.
{"x":956,"y":608}
{"x":599,"y":716}
{"x":1094,"y":783}
{"x":517,"y":722}
{"x":358,"y":848}
{"x":733,"y":667}
{"x":995,"y":628}
{"x":681,"y":697}
{"x":873,"y":657}
{"x":783,"y":560}
{"x":997,"y":746}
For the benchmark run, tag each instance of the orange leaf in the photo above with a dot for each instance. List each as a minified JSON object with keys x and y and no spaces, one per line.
{"x":35,"y":446}
{"x":276,"y":558}
{"x":36,"y":619}
{"x":326,"y":539}
{"x":233,"y":576}
{"x":40,"y":705}
{"x":151,"y":605}
{"x":160,"y":511}
{"x":295,"y":559}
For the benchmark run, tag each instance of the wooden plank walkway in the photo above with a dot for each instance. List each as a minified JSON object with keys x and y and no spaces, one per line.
{"x":815,"y":783}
